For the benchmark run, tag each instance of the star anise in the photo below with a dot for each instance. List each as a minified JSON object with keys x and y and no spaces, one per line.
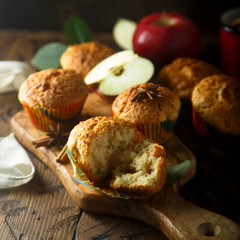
{"x":55,"y":137}
{"x":148,"y":93}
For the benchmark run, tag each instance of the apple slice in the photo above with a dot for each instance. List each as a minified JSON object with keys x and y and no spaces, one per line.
{"x":119,"y":72}
{"x":123,"y":31}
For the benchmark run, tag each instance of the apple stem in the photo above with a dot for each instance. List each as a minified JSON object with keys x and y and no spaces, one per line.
{"x":165,"y":21}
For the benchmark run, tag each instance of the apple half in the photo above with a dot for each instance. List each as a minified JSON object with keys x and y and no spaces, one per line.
{"x":123,"y":31}
{"x":119,"y":72}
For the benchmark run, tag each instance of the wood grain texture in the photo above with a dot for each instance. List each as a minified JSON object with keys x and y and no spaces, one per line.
{"x":9,"y":106}
{"x":41,"y":209}
{"x":107,"y":227}
{"x":22,"y":45}
{"x":166,"y":211}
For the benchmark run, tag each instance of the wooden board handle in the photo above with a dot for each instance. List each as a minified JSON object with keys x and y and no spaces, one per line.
{"x":177,"y":218}
{"x":180,"y":219}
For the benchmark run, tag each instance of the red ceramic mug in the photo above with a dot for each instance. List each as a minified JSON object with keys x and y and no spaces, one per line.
{"x":230,"y":42}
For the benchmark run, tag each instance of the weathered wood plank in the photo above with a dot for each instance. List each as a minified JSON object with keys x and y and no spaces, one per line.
{"x":22,"y":45}
{"x":105,"y":227}
{"x":40,"y":209}
{"x":9,"y":106}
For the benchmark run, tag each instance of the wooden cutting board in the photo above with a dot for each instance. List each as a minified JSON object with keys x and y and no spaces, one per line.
{"x":167,"y":211}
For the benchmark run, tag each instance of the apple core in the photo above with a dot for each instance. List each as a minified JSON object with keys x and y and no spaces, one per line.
{"x":117,"y":70}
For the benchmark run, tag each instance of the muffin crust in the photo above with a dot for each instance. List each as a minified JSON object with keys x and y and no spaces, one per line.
{"x":217,"y":101}
{"x":53,"y":88}
{"x":83,"y":133}
{"x":149,"y":110}
{"x":83,"y":57}
{"x":183,"y":74}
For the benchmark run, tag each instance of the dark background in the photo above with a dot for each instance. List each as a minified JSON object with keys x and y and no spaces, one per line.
{"x":102,"y":14}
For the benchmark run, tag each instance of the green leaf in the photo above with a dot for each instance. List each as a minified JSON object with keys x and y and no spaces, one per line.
{"x":48,"y":56}
{"x":77,"y":30}
{"x":176,"y":172}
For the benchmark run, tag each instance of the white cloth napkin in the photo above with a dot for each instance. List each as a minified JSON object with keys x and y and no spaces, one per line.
{"x":12,"y":74}
{"x":16,"y":167}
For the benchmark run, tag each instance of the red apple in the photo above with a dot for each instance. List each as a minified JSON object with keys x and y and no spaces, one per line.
{"x":164,"y":36}
{"x":95,"y":88}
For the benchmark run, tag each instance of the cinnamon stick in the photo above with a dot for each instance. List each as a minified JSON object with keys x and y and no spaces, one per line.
{"x":41,"y":142}
{"x":62,"y":156}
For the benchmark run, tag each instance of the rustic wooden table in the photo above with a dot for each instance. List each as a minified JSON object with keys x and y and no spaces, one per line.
{"x":43,"y":209}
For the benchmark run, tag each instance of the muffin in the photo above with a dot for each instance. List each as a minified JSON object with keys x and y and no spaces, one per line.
{"x":113,"y":154}
{"x":152,"y":108}
{"x":216,"y":108}
{"x":183,"y":74}
{"x":53,"y":97}
{"x":83,"y":57}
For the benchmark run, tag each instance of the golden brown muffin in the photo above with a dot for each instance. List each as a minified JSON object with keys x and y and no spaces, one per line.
{"x":216,"y":106}
{"x":52,"y":97}
{"x":183,"y":74}
{"x":154,"y":117}
{"x":83,"y":57}
{"x":112,"y":150}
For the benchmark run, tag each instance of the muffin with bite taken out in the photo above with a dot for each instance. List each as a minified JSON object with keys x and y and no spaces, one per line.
{"x":115,"y":157}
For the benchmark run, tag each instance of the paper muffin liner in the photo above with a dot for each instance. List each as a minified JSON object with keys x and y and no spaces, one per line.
{"x":200,"y":126}
{"x":158,"y":132}
{"x":42,"y":117}
{"x":209,"y":133}
{"x":80,"y":177}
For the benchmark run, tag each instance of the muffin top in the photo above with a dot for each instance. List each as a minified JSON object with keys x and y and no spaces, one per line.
{"x":82,"y":134}
{"x":84,"y":145}
{"x":146,"y":104}
{"x":53,"y":88}
{"x":217,"y":101}
{"x":183,"y":74}
{"x":83,"y":57}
